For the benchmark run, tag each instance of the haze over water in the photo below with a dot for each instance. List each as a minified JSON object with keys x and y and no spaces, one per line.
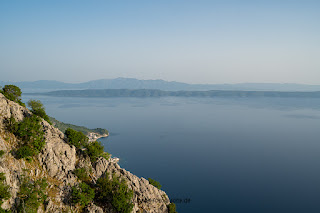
{"x":225,"y":155}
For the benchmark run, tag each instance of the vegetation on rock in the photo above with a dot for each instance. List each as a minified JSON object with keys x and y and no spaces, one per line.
{"x":13,"y":93}
{"x":95,"y":150}
{"x":114,"y":191}
{"x":30,"y":132}
{"x":4,"y":191}
{"x":82,"y":174}
{"x":82,"y":194}
{"x":172,"y":208}
{"x":37,"y":108}
{"x":78,"y":139}
{"x":31,"y":195}
{"x":154,"y":183}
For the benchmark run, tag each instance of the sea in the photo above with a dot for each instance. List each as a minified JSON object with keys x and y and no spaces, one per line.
{"x":211,"y":155}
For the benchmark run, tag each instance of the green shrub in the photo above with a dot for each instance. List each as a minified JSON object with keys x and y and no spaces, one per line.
{"x":13,"y":93}
{"x":37,"y":108}
{"x":82,"y":174}
{"x":115,"y":192}
{"x":32,"y":195}
{"x":4,"y":191}
{"x":95,"y":150}
{"x":11,"y":124}
{"x":30,"y":132}
{"x":1,"y":153}
{"x":82,"y":194}
{"x":172,"y":208}
{"x":154,"y":183}
{"x":78,"y":139}
{"x":24,"y":152}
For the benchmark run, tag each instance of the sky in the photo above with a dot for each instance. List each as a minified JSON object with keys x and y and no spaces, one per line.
{"x":192,"y":41}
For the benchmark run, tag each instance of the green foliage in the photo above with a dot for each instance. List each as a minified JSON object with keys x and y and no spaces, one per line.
{"x":95,"y":150}
{"x":115,"y":192}
{"x":154,"y":183}
{"x":172,"y":208}
{"x":82,"y":174}
{"x":11,"y":124}
{"x":13,"y":93}
{"x":1,"y":153}
{"x":82,"y":194}
{"x":24,"y":152}
{"x":31,"y":195}
{"x":37,"y":108}
{"x":30,"y":132}
{"x":4,"y":191}
{"x":64,"y":126}
{"x":78,"y":139}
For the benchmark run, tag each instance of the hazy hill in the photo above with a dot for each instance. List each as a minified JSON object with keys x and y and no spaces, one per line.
{"x":131,"y":83}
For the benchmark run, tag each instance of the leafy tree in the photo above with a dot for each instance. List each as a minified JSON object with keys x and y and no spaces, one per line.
{"x":154,"y":183}
{"x":78,"y":139}
{"x":37,"y":108}
{"x":13,"y":93}
{"x":95,"y":150}
{"x":172,"y":208}
{"x":82,"y":194}
{"x":31,"y":195}
{"x":115,"y":192}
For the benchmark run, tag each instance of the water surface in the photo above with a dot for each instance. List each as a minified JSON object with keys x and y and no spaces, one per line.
{"x":212,"y":155}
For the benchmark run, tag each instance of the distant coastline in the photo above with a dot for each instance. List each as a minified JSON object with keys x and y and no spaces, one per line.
{"x":105,"y":93}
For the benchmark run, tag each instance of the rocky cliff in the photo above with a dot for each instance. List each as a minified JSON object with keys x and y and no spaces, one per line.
{"x":57,"y":162}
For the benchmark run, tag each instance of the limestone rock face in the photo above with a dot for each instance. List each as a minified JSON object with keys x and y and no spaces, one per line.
{"x":146,"y":196}
{"x":56,"y":163}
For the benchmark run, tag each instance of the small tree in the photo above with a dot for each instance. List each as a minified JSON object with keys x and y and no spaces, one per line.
{"x":78,"y":139}
{"x":95,"y":150}
{"x":82,"y":194}
{"x":154,"y":183}
{"x":13,"y":93}
{"x":172,"y":208}
{"x":37,"y":108}
{"x":115,"y":192}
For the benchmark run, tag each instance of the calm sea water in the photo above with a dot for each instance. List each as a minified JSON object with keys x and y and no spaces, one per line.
{"x":212,"y":155}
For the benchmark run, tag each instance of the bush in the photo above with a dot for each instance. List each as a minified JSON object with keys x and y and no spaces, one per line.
{"x":1,"y":153}
{"x":31,"y":195}
{"x":154,"y":183}
{"x":82,"y":174}
{"x":13,"y":93}
{"x":4,"y":190}
{"x":172,"y":208}
{"x":115,"y":192}
{"x":37,"y":108}
{"x":78,"y":139}
{"x":30,"y":132}
{"x":95,"y":150}
{"x":11,"y":124}
{"x":24,"y":152}
{"x":82,"y":194}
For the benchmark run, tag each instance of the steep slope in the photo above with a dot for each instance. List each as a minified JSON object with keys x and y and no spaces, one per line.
{"x":57,"y":162}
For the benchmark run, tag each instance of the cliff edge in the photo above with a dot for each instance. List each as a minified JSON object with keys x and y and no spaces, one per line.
{"x":57,"y":162}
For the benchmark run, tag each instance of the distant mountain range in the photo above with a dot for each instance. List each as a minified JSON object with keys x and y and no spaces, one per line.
{"x":131,"y":83}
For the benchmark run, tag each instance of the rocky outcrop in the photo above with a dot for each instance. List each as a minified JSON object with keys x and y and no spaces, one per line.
{"x":56,"y":163}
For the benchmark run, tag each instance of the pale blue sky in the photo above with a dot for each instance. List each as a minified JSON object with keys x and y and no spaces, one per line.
{"x":190,"y":41}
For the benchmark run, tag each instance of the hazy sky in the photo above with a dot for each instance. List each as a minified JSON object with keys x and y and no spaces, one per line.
{"x":190,"y":41}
